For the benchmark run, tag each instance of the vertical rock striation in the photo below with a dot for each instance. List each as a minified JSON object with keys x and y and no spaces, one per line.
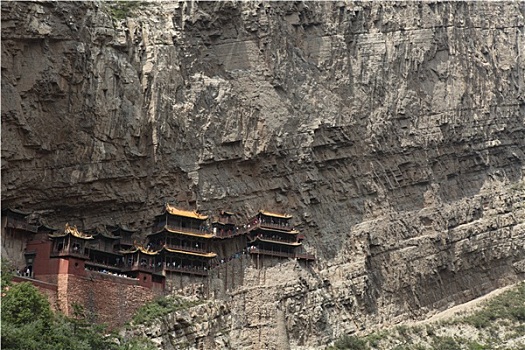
{"x":394,"y":132}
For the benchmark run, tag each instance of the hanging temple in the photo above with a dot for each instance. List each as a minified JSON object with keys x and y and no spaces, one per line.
{"x":181,"y":242}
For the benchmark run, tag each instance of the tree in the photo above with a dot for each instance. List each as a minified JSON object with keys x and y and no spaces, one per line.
{"x":26,"y":316}
{"x":7,"y":274}
{"x":29,"y":324}
{"x":23,"y":304}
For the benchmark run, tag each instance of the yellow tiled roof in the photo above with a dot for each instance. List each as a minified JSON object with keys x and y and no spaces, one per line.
{"x":205,"y":255}
{"x":167,"y":228}
{"x":186,"y":213}
{"x":275,"y":215}
{"x":291,"y":232}
{"x":148,"y":252}
{"x":141,"y":249}
{"x":295,"y":244}
{"x":72,"y":230}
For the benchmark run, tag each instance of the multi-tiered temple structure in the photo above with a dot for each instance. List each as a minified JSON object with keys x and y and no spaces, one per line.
{"x":224,"y":226}
{"x":273,"y":234}
{"x":91,"y":266}
{"x":183,"y":240}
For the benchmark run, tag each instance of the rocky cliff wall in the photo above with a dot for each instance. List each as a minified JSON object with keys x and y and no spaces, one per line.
{"x":394,"y":132}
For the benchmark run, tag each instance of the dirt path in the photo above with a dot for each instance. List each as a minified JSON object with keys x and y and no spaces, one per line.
{"x":463,"y":308}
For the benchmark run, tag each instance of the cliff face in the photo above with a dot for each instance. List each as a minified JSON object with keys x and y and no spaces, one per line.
{"x":394,"y":132}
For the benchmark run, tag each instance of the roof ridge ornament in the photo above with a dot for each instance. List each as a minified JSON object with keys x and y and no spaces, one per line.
{"x":73,"y":230}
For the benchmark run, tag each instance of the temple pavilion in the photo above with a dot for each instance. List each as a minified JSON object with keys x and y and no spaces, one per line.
{"x":184,"y":241}
{"x":70,"y":243}
{"x":125,"y":236}
{"x":223,"y":225}
{"x":17,"y":220}
{"x":17,"y":231}
{"x":140,"y":259}
{"x":104,"y":249}
{"x":273,"y":234}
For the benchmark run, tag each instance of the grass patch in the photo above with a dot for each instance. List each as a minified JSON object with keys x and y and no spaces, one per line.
{"x":374,"y":339}
{"x":349,"y":342}
{"x":403,"y":331}
{"x":477,"y":346}
{"x":122,"y":9}
{"x":500,"y":319}
{"x":445,"y":343}
{"x":518,"y":186}
{"x":509,"y":306}
{"x":160,"y":307}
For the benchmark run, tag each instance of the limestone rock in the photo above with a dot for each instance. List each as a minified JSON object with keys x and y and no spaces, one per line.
{"x":394,"y":133}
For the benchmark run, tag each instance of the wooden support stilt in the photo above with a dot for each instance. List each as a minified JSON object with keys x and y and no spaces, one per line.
{"x":258,"y":270}
{"x":264,"y":273}
{"x":226,"y":279}
{"x":208,"y":284}
{"x":241,"y":278}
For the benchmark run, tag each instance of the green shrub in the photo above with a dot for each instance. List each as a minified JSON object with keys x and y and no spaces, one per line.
{"x":7,"y":273}
{"x":476,"y":346}
{"x":29,"y":324}
{"x":403,"y":331}
{"x":123,"y":9}
{"x":137,"y":344}
{"x":22,"y":303}
{"x":507,"y":306}
{"x":160,"y":307}
{"x":351,"y":342}
{"x":418,"y":347}
{"x":445,"y":343}
{"x":374,"y":339}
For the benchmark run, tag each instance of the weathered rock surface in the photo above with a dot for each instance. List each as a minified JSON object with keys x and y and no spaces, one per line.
{"x":394,"y":132}
{"x":202,"y":326}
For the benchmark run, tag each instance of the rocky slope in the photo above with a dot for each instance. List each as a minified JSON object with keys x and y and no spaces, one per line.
{"x":394,"y":132}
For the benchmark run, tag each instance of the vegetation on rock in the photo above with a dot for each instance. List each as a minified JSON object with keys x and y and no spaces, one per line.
{"x":28,"y":323}
{"x":498,"y":324}
{"x":160,"y":307}
{"x":123,"y":9}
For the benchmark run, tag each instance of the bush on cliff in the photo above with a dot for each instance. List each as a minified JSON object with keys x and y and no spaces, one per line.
{"x":22,"y":304}
{"x":349,"y":342}
{"x":160,"y":307}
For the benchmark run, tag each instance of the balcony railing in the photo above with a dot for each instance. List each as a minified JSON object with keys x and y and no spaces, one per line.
{"x":259,"y":224}
{"x":305,"y":256}
{"x":74,"y":253}
{"x":197,"y":231}
{"x":228,"y":233}
{"x":187,"y":249}
{"x":276,"y":226}
{"x":255,"y":250}
{"x":112,"y":250}
{"x":275,"y":239}
{"x":113,"y":267}
{"x":142,"y":267}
